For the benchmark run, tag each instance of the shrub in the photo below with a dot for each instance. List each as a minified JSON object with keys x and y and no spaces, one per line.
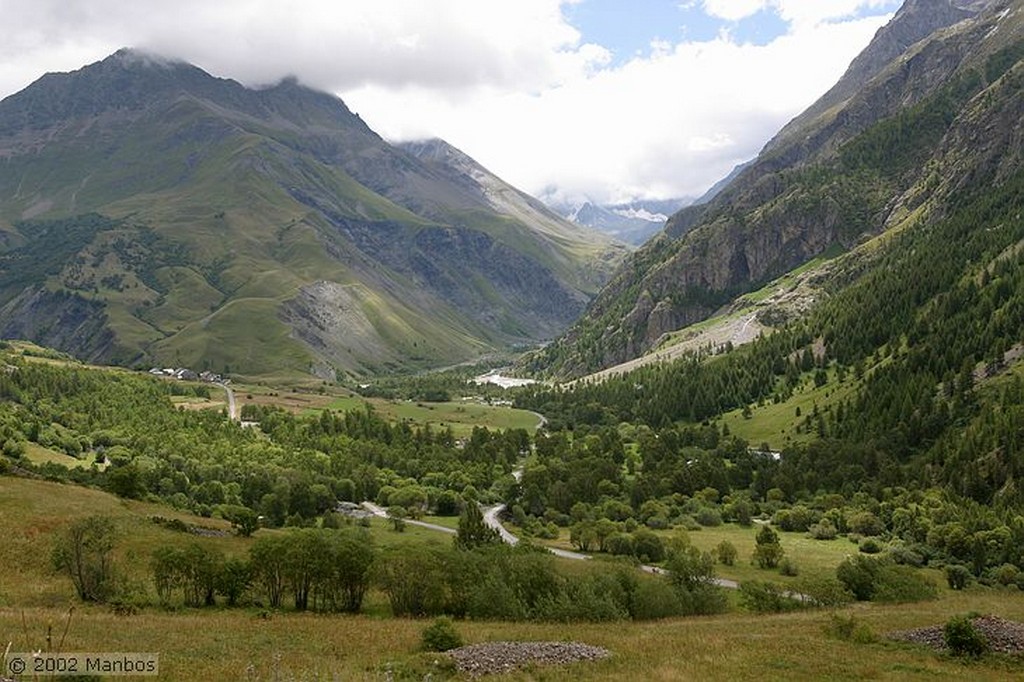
{"x":1006,"y":574}
{"x":866,"y":523}
{"x":848,"y":629}
{"x":899,"y":584}
{"x":957,"y":577}
{"x":765,"y":597}
{"x":647,"y":546}
{"x":788,"y":567}
{"x":726,"y":553}
{"x":708,"y":516}
{"x":823,"y":530}
{"x":655,"y":599}
{"x":823,"y":591}
{"x":963,"y":639}
{"x":85,"y":552}
{"x":767,"y":550}
{"x":441,"y":635}
{"x":619,"y":544}
{"x":907,"y":556}
{"x":870,"y":546}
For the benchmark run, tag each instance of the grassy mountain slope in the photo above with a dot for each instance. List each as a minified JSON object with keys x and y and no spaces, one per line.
{"x":188,"y":220}
{"x":942,"y":114}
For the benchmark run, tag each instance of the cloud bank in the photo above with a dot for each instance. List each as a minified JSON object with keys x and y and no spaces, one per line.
{"x":513,"y":84}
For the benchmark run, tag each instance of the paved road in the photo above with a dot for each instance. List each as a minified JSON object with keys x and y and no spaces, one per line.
{"x":492,"y":519}
{"x":232,"y":405}
{"x":383,"y":513}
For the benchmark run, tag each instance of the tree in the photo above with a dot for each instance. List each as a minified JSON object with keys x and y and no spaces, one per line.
{"x":692,"y":574}
{"x":242,"y":519}
{"x":726,"y":552}
{"x":473,"y":531}
{"x":267,"y":558}
{"x":234,"y":579}
{"x":85,"y":553}
{"x":396,"y":515}
{"x":767,"y":549}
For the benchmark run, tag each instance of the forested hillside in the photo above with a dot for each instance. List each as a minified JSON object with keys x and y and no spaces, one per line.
{"x":133,"y":441}
{"x":899,"y":143}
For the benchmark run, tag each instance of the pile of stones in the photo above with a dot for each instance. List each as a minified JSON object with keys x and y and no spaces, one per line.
{"x":502,"y":657}
{"x":1003,"y":636}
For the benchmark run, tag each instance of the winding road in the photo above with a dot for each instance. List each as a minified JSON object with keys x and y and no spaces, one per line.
{"x":491,"y":518}
{"x":381,"y":512}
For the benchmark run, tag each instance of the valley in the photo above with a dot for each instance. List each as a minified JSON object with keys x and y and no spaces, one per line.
{"x":780,"y":439}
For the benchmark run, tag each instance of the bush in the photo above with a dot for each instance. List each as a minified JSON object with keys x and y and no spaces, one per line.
{"x":866,"y":523}
{"x":963,"y":639}
{"x":708,"y":516}
{"x":788,"y":567}
{"x":1006,"y":574}
{"x":85,"y":552}
{"x":823,"y":530}
{"x":655,"y":599}
{"x":899,"y":584}
{"x":848,"y":629}
{"x":907,"y":556}
{"x":870,"y":546}
{"x":726,"y":553}
{"x":441,"y":635}
{"x":823,"y":591}
{"x":764,"y":597}
{"x":767,"y":550}
{"x":647,"y":546}
{"x":957,"y":577}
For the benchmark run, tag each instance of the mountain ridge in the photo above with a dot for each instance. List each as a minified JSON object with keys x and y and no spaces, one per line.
{"x":275,"y":209}
{"x":838,"y":181}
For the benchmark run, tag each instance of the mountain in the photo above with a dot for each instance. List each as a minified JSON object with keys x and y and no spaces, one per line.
{"x":633,"y":222}
{"x":930,"y":108}
{"x":151,"y":213}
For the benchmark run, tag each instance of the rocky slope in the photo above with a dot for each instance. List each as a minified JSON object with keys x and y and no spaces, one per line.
{"x":910,"y":121}
{"x":152,"y":213}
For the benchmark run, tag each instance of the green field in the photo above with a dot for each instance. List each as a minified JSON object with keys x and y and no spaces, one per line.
{"x":37,"y":454}
{"x":776,"y":423}
{"x":462,"y":417}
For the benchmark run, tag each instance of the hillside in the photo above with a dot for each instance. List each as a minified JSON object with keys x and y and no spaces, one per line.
{"x":197,"y":571}
{"x":153,"y":214}
{"x":910,"y":125}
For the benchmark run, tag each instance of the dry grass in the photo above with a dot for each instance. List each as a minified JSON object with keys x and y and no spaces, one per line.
{"x":216,"y":644}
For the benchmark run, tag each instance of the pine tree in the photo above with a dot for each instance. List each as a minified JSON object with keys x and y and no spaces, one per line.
{"x":473,"y":531}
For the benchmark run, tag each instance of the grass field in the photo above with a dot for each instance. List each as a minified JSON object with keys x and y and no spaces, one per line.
{"x":37,"y":454}
{"x":813,"y":558}
{"x":251,"y":644}
{"x":776,"y":423}
{"x":461,"y":416}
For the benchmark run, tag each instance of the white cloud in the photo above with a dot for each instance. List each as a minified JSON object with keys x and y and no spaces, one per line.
{"x":734,"y":10}
{"x":511,"y":83}
{"x":670,"y":124}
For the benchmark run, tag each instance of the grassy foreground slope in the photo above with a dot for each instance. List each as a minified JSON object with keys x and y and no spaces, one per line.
{"x":250,"y":644}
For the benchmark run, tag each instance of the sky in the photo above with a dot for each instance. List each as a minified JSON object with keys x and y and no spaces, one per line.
{"x":608,"y":100}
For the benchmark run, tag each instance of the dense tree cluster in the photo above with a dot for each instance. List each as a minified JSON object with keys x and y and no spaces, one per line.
{"x":289,"y":472}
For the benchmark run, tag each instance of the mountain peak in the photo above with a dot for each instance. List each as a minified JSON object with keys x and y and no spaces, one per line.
{"x":133,"y":56}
